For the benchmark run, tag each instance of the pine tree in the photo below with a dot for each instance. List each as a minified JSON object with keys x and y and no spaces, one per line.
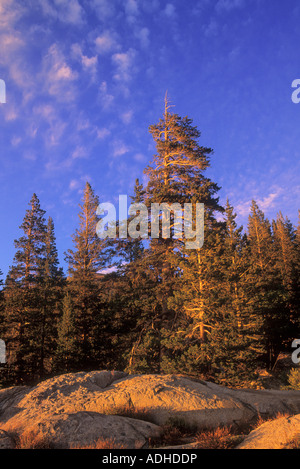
{"x":51,"y":287}
{"x":66,"y":340}
{"x":297,"y":271}
{"x":1,"y":303}
{"x":266,"y":289}
{"x":234,"y":339}
{"x":286,"y":264}
{"x":132,"y":249}
{"x":85,"y":260}
{"x":1,"y":307}
{"x":29,"y":316}
{"x":87,"y":257}
{"x":175,"y":175}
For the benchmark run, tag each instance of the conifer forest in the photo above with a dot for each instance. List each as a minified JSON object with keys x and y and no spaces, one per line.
{"x":221,"y":312}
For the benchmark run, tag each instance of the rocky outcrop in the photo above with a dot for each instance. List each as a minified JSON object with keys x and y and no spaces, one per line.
{"x":83,"y":429}
{"x":79,"y":408}
{"x":276,"y":434}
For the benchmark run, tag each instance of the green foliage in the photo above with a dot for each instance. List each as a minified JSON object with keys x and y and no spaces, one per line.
{"x":32,"y":294}
{"x":218,"y":312}
{"x":294,"y":379}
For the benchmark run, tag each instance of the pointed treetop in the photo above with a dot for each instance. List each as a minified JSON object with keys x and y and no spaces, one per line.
{"x":167,"y":104}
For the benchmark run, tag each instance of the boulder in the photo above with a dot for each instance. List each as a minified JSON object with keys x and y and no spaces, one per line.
{"x":275,"y":434}
{"x":104,"y":397}
{"x":85,"y":429}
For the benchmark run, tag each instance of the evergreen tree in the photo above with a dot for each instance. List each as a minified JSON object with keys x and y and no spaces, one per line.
{"x":297,"y":271}
{"x":131,"y":248}
{"x":175,"y":175}
{"x":1,"y":304}
{"x":85,"y":260}
{"x":286,"y":264}
{"x":235,"y":337}
{"x":1,"y":307}
{"x":29,"y":316}
{"x":51,"y":287}
{"x":66,"y":340}
{"x":266,"y":297}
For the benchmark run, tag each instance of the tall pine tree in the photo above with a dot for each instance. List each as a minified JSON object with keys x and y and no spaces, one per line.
{"x":29,"y":316}
{"x":175,"y":176}
{"x":85,"y":260}
{"x":265,"y":292}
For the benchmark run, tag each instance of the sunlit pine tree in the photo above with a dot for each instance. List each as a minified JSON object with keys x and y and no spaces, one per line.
{"x":286,"y":262}
{"x":51,"y":286}
{"x":175,"y":175}
{"x":235,"y":338}
{"x":66,"y":347}
{"x":265,"y":295}
{"x":22,"y":294}
{"x":84,"y":261}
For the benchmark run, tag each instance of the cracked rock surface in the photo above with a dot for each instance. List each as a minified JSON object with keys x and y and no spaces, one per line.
{"x":78,"y":409}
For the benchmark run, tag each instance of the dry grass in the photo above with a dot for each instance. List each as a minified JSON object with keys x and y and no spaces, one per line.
{"x":132,"y":412}
{"x":102,"y":443}
{"x":32,"y":438}
{"x":219,"y":438}
{"x":293,"y":444}
{"x":261,"y":420}
{"x":174,"y":432}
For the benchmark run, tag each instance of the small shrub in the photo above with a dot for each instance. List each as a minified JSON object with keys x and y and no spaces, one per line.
{"x":32,"y":439}
{"x":219,"y":438}
{"x":131,"y":412}
{"x":294,"y":379}
{"x":261,"y":420}
{"x":174,"y":432}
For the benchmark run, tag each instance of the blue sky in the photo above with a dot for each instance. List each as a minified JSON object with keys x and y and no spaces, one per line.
{"x":86,"y":78}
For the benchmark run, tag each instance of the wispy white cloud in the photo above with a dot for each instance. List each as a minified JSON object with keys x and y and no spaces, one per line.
{"x":228,"y":5}
{"x":67,"y":11}
{"x":32,"y":130}
{"x":80,"y":152}
{"x":125,"y":66}
{"x":104,"y":9}
{"x":170,"y":10}
{"x":126,"y":117}
{"x":58,"y":76}
{"x":11,"y":42}
{"x":269,"y":201}
{"x":54,"y":135}
{"x":103,"y":133}
{"x":140,"y":158}
{"x":143,"y":35}
{"x":10,"y":12}
{"x":211,"y":29}
{"x":47,"y":115}
{"x":131,"y":10}
{"x":106,"y":98}
{"x":89,"y":64}
{"x":266,"y":203}
{"x":56,"y":165}
{"x":15,"y":141}
{"x":10,"y":111}
{"x":29,"y":156}
{"x":119,"y":148}
{"x":77,"y":184}
{"x":107,"y":42}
